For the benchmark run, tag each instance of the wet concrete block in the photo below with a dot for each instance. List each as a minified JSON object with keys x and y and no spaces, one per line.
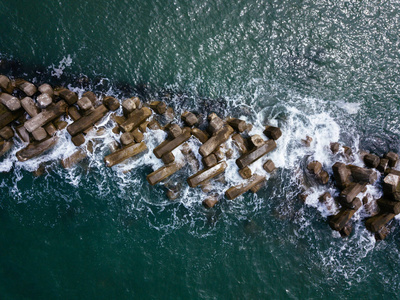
{"x":127,"y":138}
{"x":128,"y":106}
{"x":23,"y":133}
{"x":46,"y":116}
{"x":209,"y":161}
{"x":307,"y":141}
{"x":6,"y":132}
{"x":46,"y":89}
{"x":30,"y":106}
{"x":50,"y":129}
{"x":5,"y":84}
{"x":273,"y":132}
{"x":255,"y":154}
{"x":323,"y":177}
{"x":210,"y":202}
{"x":143,"y":127}
{"x":137,"y":135}
{"x":91,"y":96}
{"x":237,"y":124}
{"x":87,"y":121}
{"x":174,"y":130}
{"x":163,"y":173}
{"x":341,"y":174}
{"x":236,"y":191}
{"x":74,"y":113}
{"x":124,"y":153}
{"x":78,"y":139}
{"x":389,"y":206}
{"x":377,"y":222}
{"x":137,"y":117}
{"x":382,"y":233}
{"x":74,"y":159}
{"x":362,"y":174}
{"x":215,"y":123}
{"x":351,"y":191}
{"x":36,"y":148}
{"x":314,"y":167}
{"x":168,"y":146}
{"x":256,"y":141}
{"x":206,"y":174}
{"x":393,"y":159}
{"x":346,"y":230}
{"x":5,"y":146}
{"x":9,"y":116}
{"x":39,"y":134}
{"x":201,"y":135}
{"x":347,"y":151}
{"x":168,"y":158}
{"x":154,"y":125}
{"x":383,"y":165}
{"x":356,"y":202}
{"x":258,"y":186}
{"x":338,"y":221}
{"x":60,"y":124}
{"x":269,"y":166}
{"x":27,"y":87}
{"x":371,"y":160}
{"x":44,"y":100}
{"x":85,"y":104}
{"x":335,"y":147}
{"x":189,"y":118}
{"x":158,"y":106}
{"x":111,"y":103}
{"x":11,"y":102}
{"x":245,"y":173}
{"x":215,"y":141}
{"x":240,"y":143}
{"x":68,"y":96}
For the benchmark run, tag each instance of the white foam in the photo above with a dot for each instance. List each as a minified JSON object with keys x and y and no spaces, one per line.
{"x":62,"y":65}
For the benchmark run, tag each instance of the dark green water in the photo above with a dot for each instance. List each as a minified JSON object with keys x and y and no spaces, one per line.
{"x":329,"y":69}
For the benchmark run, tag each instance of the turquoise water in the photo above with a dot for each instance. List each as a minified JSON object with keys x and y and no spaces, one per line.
{"x":329,"y":69}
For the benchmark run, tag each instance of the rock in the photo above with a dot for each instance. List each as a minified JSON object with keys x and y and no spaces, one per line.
{"x":240,"y":143}
{"x":28,"y":88}
{"x":168,"y":158}
{"x":5,"y":146}
{"x":137,"y":117}
{"x":68,"y":96}
{"x":124,"y":153}
{"x":50,"y":129}
{"x":86,"y":122}
{"x":371,"y":160}
{"x":324,"y":198}
{"x":307,"y":141}
{"x":210,"y":161}
{"x":393,"y":159}
{"x":163,"y":173}
{"x":39,"y":134}
{"x":137,"y":135}
{"x":256,"y":141}
{"x":206,"y":174}
{"x":126,"y":138}
{"x":389,"y":206}
{"x":5,"y":84}
{"x":363,"y":175}
{"x":154,"y":125}
{"x":30,"y":107}
{"x":269,"y":166}
{"x":245,"y":173}
{"x":189,"y":118}
{"x":36,"y":148}
{"x":338,"y":221}
{"x":273,"y":132}
{"x":168,"y":146}
{"x":351,"y":191}
{"x":215,"y":123}
{"x":215,"y":141}
{"x":46,"y":116}
{"x":91,"y":96}
{"x":236,"y":191}
{"x":78,"y":139}
{"x":23,"y":133}
{"x":6,"y":133}
{"x":255,"y":154}
{"x":158,"y":106}
{"x":237,"y":124}
{"x":314,"y":167}
{"x":11,"y":102}
{"x":200,"y":135}
{"x":85,"y":104}
{"x":111,"y":103}
{"x":44,"y":100}
{"x":128,"y":106}
{"x":74,"y":113}
{"x":46,"y":89}
{"x":377,"y":222}
{"x":174,"y":130}
{"x":74,"y":159}
{"x":210,"y":202}
{"x":341,"y":174}
{"x":335,"y":147}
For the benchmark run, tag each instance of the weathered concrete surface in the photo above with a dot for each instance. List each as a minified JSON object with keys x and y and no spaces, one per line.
{"x":168,"y":158}
{"x":371,"y":160}
{"x":28,"y":88}
{"x":46,"y":88}
{"x":75,"y":158}
{"x":44,"y":100}
{"x":189,"y":118}
{"x":136,"y":118}
{"x":209,"y":161}
{"x":6,"y":133}
{"x":237,"y":124}
{"x":206,"y":174}
{"x":216,"y":140}
{"x":164,"y":172}
{"x":11,"y":102}
{"x":39,"y":134}
{"x":124,"y":153}
{"x":273,"y":132}
{"x":128,"y":106}
{"x":174,"y":130}
{"x":111,"y":103}
{"x":269,"y":166}
{"x":389,"y":206}
{"x":36,"y":148}
{"x":210,"y":201}
{"x":255,"y":154}
{"x":236,"y":191}
{"x":158,"y":106}
{"x":393,"y":159}
{"x":47,"y":115}
{"x":363,"y":175}
{"x":240,"y":143}
{"x":377,"y":222}
{"x":68,"y":96}
{"x":351,"y":191}
{"x":30,"y":106}
{"x":87,"y":121}
{"x":341,"y":174}
{"x":170,"y":145}
{"x":5,"y":146}
{"x":200,"y":135}
{"x":338,"y":221}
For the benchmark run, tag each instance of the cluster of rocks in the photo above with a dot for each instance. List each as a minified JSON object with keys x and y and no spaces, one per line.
{"x":350,"y":181}
{"x":34,"y":115}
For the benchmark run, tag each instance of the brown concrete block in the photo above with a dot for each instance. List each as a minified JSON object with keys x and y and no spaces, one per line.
{"x":215,"y":123}
{"x":273,"y":132}
{"x":201,"y":135}
{"x":154,"y":125}
{"x":383,"y":165}
{"x":356,"y":202}
{"x":215,"y":141}
{"x":137,"y":117}
{"x":371,"y":160}
{"x":6,"y":133}
{"x":78,"y":139}
{"x":158,"y":106}
{"x":389,"y":206}
{"x":27,"y":87}
{"x":168,"y":158}
{"x":256,"y":141}
{"x":255,"y":154}
{"x":137,"y":135}
{"x":11,"y":102}
{"x":240,"y":189}
{"x":377,"y":222}
{"x":245,"y":173}
{"x":143,"y":127}
{"x":87,"y":121}
{"x":351,"y":191}
{"x":210,"y":202}
{"x":323,"y":177}
{"x":5,"y":84}
{"x":46,"y":89}
{"x":341,"y":174}
{"x":189,"y":118}
{"x":314,"y":167}
{"x":307,"y":141}
{"x":74,"y":159}
{"x":237,"y":124}
{"x":46,"y":116}
{"x":174,"y":130}
{"x":335,"y":147}
{"x":338,"y":221}
{"x":74,"y":113}
{"x":240,"y":143}
{"x":393,"y":159}
{"x":111,"y":103}
{"x":5,"y":146}
{"x":206,"y":174}
{"x":60,"y":124}
{"x":30,"y":106}
{"x":209,"y":161}
{"x":23,"y":133}
{"x":9,"y":116}
{"x":124,"y":153}
{"x":128,"y":106}
{"x":44,"y":100}
{"x":127,"y":138}
{"x":168,"y":146}
{"x":362,"y":174}
{"x":68,"y":96}
{"x":163,"y":173}
{"x":258,"y":186}
{"x":382,"y":233}
{"x":50,"y":129}
{"x":36,"y":148}
{"x":269,"y":166}
{"x":85,"y":104}
{"x":91,"y":96}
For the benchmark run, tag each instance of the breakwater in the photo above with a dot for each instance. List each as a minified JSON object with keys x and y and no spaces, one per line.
{"x":206,"y":148}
